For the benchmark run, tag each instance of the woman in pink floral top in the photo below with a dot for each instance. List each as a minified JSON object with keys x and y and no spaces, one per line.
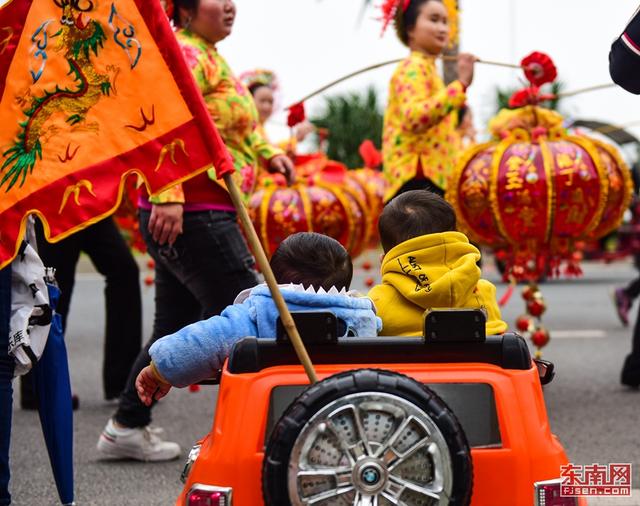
{"x":420,"y":143}
{"x":201,"y":259}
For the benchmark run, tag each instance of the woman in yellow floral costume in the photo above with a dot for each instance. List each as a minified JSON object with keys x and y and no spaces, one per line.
{"x":420,"y":141}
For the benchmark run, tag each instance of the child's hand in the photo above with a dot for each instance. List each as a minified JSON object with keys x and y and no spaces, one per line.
{"x":150,"y":387}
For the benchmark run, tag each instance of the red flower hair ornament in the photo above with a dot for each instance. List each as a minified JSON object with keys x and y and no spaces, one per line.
{"x":539,"y":68}
{"x":389,"y":9}
{"x":370,"y":155}
{"x":296,"y":114}
{"x":528,"y":96}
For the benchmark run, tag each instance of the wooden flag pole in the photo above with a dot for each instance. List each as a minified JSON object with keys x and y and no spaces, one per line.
{"x":263,"y":263}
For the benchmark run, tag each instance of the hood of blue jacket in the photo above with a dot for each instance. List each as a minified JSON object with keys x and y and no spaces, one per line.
{"x":356,"y":312}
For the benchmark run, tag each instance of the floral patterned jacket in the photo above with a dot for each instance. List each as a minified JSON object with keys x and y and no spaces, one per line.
{"x":232,"y":109}
{"x":420,"y":124}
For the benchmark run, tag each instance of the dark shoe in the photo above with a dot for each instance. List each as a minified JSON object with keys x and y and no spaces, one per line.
{"x":623,"y":304}
{"x":631,"y":371}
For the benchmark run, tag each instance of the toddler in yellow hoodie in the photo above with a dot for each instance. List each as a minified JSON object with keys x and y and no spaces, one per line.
{"x":427,"y":265}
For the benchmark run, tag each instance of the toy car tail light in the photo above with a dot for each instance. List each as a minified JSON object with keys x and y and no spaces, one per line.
{"x":547,"y":493}
{"x":207,"y":495}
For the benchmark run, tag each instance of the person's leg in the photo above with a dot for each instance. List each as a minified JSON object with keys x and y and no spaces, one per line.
{"x":630,"y":375}
{"x":211,"y":263}
{"x":112,"y":258}
{"x":127,"y":434}
{"x":197,"y":277}
{"x":623,"y":302}
{"x":6,"y":377}
{"x":633,"y":289}
{"x":175,"y":308}
{"x":221,"y":263}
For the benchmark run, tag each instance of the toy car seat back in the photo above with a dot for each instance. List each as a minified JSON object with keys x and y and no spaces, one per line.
{"x":508,"y":351}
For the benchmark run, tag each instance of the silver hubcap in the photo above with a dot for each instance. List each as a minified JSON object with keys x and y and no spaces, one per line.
{"x":370,"y":449}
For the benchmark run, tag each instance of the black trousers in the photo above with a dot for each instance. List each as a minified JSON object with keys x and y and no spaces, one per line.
{"x":112,"y":258}
{"x":196,"y":278}
{"x":633,"y":288}
{"x":631,"y":368}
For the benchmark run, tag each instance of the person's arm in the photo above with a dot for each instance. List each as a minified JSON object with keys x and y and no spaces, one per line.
{"x":274,"y":158}
{"x":421,"y":108}
{"x":151,"y":385}
{"x":624,"y":57}
{"x":195,"y":352}
{"x":166,"y":220}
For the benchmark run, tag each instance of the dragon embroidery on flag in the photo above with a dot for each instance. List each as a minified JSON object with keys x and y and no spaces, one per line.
{"x":81,"y":41}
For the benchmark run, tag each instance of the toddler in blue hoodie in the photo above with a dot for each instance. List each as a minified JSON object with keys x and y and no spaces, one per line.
{"x":314,"y":273}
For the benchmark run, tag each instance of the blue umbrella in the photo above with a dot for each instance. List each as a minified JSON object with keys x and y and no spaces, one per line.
{"x":53,"y":387}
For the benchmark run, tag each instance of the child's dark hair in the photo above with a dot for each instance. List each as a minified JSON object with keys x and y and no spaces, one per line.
{"x":188,"y":5}
{"x":405,"y":21}
{"x":412,"y":214}
{"x":255,"y":87}
{"x":308,"y":258}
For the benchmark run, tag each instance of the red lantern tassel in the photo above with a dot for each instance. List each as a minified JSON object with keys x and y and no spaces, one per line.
{"x":506,"y":297}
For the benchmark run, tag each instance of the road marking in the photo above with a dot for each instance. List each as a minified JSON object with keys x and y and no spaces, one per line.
{"x":616,"y":501}
{"x":577,"y":334}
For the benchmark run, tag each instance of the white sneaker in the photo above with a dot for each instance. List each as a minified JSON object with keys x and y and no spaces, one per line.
{"x":156,"y":431}
{"x":138,"y":443}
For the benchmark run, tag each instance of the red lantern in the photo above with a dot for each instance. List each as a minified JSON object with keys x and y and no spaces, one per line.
{"x":524,"y":323}
{"x":359,"y":192}
{"x":540,"y":337}
{"x":375,"y":186}
{"x":280,"y":212}
{"x":535,"y":190}
{"x":536,"y":307}
{"x":528,"y":292}
{"x":620,"y":189}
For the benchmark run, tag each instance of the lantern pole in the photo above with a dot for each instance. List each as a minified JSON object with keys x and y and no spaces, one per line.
{"x":265,"y":268}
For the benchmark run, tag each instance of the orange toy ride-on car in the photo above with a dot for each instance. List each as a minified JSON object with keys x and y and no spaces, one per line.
{"x":454,"y":418}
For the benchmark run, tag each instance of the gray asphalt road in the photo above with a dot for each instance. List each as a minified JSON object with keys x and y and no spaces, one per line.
{"x":594,"y":416}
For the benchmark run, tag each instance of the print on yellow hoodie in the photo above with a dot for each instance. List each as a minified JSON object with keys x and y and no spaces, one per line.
{"x":432,"y":271}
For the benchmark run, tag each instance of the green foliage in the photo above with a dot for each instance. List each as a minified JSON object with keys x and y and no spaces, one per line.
{"x":349,"y":120}
{"x":503,"y":95}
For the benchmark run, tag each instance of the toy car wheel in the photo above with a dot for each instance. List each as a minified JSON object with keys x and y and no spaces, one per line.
{"x":367,"y":437}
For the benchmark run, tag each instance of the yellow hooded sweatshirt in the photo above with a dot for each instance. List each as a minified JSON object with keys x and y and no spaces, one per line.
{"x":432,"y":271}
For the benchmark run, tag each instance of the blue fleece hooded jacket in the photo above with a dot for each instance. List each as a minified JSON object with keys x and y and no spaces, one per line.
{"x":196,"y":351}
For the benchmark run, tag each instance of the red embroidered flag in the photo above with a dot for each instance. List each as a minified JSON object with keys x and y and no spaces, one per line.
{"x":92,"y":92}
